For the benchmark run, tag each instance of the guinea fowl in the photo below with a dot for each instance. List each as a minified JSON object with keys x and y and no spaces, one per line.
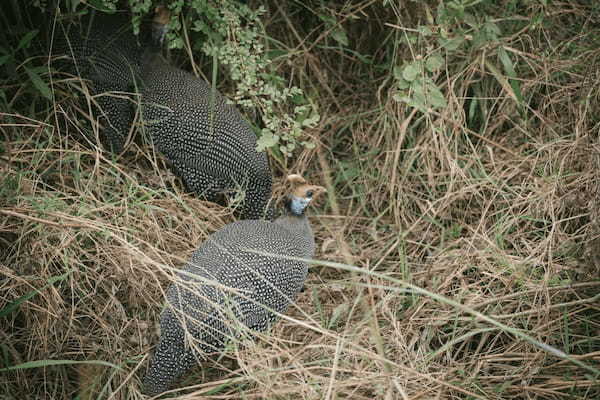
{"x":236,"y":280}
{"x":103,"y":50}
{"x":206,"y":140}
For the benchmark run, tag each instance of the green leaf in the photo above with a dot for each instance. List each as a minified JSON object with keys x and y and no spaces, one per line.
{"x":418,"y":94}
{"x":266,"y":140}
{"x":329,"y":20}
{"x":14,"y":305}
{"x":470,"y":20}
{"x":339,"y":35}
{"x":506,"y":85}
{"x":509,"y":69}
{"x":17,"y":303}
{"x":453,"y":43}
{"x":337,"y":313}
{"x":39,"y":84}
{"x":400,"y":97}
{"x":506,"y":62}
{"x":312,"y":120}
{"x":425,"y":30}
{"x":411,"y":71}
{"x":48,"y":363}
{"x":284,"y":150}
{"x":4,"y":59}
{"x":436,"y":97}
{"x":402,"y":84}
{"x":434,"y":62}
{"x":492,"y":30}
{"x":102,"y":6}
{"x":397,"y":71}
{"x":26,"y":40}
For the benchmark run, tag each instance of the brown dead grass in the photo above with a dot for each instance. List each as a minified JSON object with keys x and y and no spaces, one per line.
{"x":502,"y":219}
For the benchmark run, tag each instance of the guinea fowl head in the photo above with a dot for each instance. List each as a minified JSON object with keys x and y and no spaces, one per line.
{"x":160,"y":25}
{"x":301,"y":194}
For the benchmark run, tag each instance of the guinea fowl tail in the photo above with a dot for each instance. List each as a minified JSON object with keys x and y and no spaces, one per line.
{"x":172,"y":358}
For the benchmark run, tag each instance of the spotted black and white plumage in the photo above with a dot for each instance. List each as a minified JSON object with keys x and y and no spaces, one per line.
{"x":227,"y":287}
{"x":102,"y":49}
{"x":206,"y":140}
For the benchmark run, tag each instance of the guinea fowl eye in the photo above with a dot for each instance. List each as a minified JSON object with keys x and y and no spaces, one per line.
{"x":309,"y":193}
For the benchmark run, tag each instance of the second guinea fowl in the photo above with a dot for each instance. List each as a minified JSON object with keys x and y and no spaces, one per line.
{"x":102,"y":49}
{"x":206,"y":140}
{"x":231,"y":284}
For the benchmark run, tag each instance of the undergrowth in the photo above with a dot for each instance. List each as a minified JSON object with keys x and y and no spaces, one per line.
{"x":458,"y":141}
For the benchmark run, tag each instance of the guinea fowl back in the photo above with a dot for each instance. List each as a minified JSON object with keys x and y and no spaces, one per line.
{"x":211,"y":147}
{"x":207,"y":141}
{"x":102,"y":49}
{"x":238,"y":279}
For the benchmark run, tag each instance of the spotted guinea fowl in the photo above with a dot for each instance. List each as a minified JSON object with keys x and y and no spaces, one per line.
{"x":231,"y":284}
{"x":206,"y":140}
{"x":102,"y":49}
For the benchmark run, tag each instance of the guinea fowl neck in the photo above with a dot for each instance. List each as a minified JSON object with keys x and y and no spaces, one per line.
{"x":154,"y":40}
{"x":292,"y":217}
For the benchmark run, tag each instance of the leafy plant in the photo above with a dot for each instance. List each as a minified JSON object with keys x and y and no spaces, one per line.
{"x":231,"y":33}
{"x":416,"y":86}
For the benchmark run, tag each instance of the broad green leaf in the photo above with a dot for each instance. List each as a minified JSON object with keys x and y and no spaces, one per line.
{"x":471,"y":20}
{"x":312,"y":120}
{"x":418,"y":94}
{"x":411,"y":71}
{"x":266,"y":140}
{"x":402,"y":84}
{"x":434,"y":62}
{"x":436,"y":97}
{"x":397,"y":72}
{"x":492,"y":30}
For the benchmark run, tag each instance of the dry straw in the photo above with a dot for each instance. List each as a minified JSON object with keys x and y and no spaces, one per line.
{"x":457,"y":254}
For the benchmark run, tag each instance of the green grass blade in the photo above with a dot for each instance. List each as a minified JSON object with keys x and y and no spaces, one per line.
{"x":49,"y":363}
{"x":14,"y":305}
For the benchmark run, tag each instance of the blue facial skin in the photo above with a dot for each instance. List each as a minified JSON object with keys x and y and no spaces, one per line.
{"x":299,"y":204}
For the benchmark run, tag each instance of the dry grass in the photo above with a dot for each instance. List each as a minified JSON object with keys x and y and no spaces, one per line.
{"x":498,"y":213}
